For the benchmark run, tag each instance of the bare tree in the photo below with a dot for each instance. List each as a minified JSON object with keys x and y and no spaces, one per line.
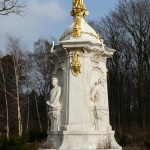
{"x":11,"y":7}
{"x":27,"y":85}
{"x":127,"y":29}
{"x":43,"y":68}
{"x":15,"y":48}
{"x":134,"y":17}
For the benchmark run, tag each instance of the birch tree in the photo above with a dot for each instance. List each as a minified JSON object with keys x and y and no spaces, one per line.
{"x":15,"y":48}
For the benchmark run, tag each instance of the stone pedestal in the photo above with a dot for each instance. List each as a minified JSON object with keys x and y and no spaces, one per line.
{"x":80,"y":67}
{"x":83,"y":140}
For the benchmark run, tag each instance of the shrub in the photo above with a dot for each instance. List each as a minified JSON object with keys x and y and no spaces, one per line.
{"x":14,"y":143}
{"x":47,"y":144}
{"x":37,"y":136}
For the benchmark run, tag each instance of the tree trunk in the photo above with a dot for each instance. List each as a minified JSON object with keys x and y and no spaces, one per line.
{"x":7,"y":115}
{"x":28,"y":115}
{"x":18,"y":105}
{"x":16,"y":69}
{"x":6,"y":100}
{"x":37,"y":110}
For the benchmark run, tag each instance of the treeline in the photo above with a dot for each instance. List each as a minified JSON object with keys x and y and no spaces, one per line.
{"x":24,"y":88}
{"x":127,"y":30}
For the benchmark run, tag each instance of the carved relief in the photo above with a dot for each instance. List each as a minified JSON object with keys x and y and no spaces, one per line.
{"x":95,"y":74}
{"x":75,"y":64}
{"x":98,"y":93}
{"x":54,"y":105}
{"x":98,"y":97}
{"x":97,"y":58}
{"x":99,"y":118}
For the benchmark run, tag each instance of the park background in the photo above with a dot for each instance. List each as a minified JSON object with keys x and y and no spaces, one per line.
{"x":25,"y":72}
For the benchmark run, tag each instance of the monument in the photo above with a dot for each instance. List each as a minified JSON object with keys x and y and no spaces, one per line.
{"x":78,"y":105}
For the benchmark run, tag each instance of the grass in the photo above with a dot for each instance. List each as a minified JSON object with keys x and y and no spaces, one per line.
{"x":32,"y":146}
{"x":132,"y":148}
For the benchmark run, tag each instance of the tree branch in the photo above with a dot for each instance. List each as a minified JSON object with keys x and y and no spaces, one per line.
{"x":11,"y":7}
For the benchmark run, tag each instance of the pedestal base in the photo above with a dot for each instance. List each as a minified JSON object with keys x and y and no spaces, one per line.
{"x":77,"y":149}
{"x":83,"y":140}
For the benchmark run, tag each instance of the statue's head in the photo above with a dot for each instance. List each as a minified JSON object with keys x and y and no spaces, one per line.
{"x":101,"y":81}
{"x":54,"y":81}
{"x":95,"y":83}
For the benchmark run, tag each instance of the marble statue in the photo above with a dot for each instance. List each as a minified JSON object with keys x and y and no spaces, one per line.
{"x":98,"y":93}
{"x":98,"y":97}
{"x":54,"y":104}
{"x":55,"y":94}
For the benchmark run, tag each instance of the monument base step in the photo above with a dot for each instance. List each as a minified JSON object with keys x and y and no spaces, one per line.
{"x":77,"y":149}
{"x":89,"y":140}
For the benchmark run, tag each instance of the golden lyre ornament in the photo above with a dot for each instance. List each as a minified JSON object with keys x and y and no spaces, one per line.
{"x":75,"y":64}
{"x":78,"y":11}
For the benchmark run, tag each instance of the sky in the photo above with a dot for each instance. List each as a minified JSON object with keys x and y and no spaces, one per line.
{"x":47,"y":19}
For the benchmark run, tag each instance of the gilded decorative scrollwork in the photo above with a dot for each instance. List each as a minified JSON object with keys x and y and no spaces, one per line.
{"x":75,"y":64}
{"x":78,"y":11}
{"x":78,"y":8}
{"x":77,"y":27}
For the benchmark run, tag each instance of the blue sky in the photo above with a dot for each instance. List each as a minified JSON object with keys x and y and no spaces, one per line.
{"x":48,"y":19}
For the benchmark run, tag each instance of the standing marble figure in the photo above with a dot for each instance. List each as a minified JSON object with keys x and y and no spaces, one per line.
{"x":54,"y":103}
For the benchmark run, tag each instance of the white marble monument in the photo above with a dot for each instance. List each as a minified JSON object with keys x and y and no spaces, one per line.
{"x":78,"y":105}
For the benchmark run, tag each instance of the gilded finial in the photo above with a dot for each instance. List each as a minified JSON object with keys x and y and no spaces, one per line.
{"x":78,"y":8}
{"x":78,"y":11}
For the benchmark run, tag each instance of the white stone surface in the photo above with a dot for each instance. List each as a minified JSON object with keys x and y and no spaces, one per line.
{"x":88,"y":33}
{"x":84,"y":112}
